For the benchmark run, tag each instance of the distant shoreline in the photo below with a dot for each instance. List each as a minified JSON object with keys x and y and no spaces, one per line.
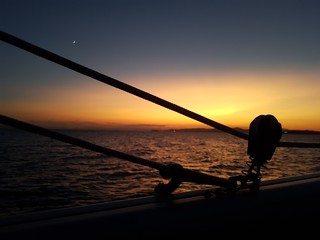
{"x":300,"y":132}
{"x":285,"y":131}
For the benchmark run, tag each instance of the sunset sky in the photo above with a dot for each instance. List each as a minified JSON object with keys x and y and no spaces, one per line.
{"x":229,"y":61}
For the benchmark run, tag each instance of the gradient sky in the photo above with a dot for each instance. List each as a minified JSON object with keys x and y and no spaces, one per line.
{"x":229,"y":61}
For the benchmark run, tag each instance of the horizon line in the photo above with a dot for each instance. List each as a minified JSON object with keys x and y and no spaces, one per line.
{"x":147,"y":127}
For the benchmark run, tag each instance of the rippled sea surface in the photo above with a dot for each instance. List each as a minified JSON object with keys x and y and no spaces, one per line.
{"x":38,"y":173}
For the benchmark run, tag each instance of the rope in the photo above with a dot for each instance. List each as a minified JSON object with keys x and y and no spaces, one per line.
{"x":176,"y":172}
{"x":77,"y":142}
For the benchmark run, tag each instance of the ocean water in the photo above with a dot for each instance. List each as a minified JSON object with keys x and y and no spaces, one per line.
{"x":38,"y":173}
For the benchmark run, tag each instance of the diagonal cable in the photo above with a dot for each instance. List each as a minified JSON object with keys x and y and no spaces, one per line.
{"x":8,"y":38}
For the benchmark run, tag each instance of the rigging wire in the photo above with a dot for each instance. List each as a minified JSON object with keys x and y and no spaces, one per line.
{"x":115,"y":83}
{"x":176,"y":172}
{"x":10,"y":39}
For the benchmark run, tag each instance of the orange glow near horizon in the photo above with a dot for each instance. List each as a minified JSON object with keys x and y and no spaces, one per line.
{"x":233,"y":99}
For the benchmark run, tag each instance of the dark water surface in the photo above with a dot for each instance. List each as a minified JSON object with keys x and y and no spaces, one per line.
{"x":38,"y":173}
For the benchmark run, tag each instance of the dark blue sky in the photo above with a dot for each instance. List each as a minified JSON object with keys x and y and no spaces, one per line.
{"x":135,"y":40}
{"x":171,"y":34}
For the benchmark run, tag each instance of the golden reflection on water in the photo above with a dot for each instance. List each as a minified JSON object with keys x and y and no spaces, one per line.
{"x":53,"y":174}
